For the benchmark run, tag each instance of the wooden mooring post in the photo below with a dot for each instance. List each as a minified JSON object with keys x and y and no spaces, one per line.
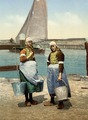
{"x":86,"y":47}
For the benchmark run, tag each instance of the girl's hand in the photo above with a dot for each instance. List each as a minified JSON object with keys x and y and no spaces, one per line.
{"x":60,"y":76}
{"x":30,"y":55}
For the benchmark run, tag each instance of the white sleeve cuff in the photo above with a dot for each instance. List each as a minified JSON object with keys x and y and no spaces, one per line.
{"x":22,"y":55}
{"x":61,"y":62}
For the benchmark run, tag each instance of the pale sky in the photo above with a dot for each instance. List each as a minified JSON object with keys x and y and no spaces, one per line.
{"x":66,"y":18}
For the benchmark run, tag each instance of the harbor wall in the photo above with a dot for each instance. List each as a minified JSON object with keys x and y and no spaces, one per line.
{"x":70,"y":43}
{"x":73,"y":43}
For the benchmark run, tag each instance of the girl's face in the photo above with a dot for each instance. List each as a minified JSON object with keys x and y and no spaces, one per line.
{"x":53,"y":48}
{"x":29,"y":44}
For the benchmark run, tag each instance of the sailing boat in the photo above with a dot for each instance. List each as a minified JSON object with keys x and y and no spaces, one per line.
{"x":35,"y":25}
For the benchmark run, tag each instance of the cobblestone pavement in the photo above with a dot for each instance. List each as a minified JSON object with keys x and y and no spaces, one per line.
{"x":12,"y":107}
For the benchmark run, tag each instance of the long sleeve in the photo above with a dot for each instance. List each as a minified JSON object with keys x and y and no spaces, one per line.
{"x":23,"y":57}
{"x":48,"y":61}
{"x":60,"y":57}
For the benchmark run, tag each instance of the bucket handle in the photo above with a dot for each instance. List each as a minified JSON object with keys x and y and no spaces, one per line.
{"x":63,"y":82}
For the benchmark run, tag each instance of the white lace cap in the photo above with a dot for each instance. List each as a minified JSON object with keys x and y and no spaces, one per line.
{"x":53,"y":43}
{"x":29,"y":39}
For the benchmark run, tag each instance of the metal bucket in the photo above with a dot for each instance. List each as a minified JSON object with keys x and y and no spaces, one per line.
{"x":19,"y":88}
{"x":61,"y":92}
{"x":39,"y":86}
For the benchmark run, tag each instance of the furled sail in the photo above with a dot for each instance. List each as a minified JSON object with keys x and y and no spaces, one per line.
{"x":36,"y":22}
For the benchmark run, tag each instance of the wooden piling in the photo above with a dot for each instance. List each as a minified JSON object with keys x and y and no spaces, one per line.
{"x":86,"y":47}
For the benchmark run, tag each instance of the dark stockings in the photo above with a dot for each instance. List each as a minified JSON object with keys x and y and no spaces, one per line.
{"x":28,"y":98}
{"x":52,"y":98}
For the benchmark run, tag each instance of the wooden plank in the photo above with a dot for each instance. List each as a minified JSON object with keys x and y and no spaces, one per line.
{"x":9,"y":68}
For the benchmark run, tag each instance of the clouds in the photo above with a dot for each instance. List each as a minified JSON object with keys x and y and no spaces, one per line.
{"x":11,"y":26}
{"x":67,"y":25}
{"x":69,"y":18}
{"x":64,"y":25}
{"x":66,"y":18}
{"x":16,"y":19}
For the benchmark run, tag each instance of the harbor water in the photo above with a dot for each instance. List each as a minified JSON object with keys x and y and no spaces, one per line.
{"x":75,"y":62}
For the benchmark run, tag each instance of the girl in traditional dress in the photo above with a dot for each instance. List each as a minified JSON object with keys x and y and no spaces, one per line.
{"x":28,"y":72}
{"x":56,"y":73}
